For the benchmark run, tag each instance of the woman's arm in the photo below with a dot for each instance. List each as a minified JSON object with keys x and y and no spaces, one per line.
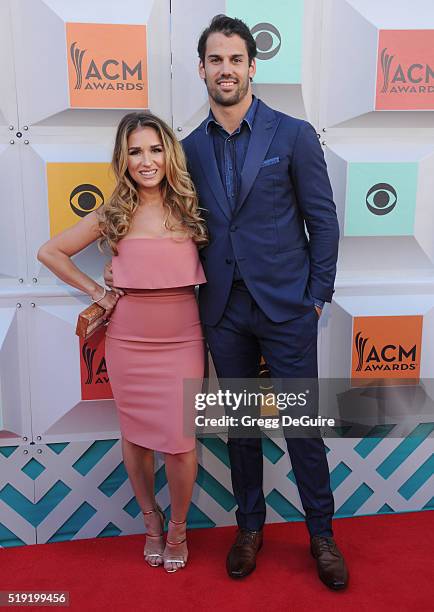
{"x":56,"y":256}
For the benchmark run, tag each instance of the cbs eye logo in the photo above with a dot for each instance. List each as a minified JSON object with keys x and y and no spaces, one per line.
{"x":381,"y":199}
{"x":85,"y":198}
{"x":268,"y":40}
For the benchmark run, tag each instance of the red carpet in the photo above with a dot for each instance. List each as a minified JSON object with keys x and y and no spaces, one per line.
{"x":390,"y":558}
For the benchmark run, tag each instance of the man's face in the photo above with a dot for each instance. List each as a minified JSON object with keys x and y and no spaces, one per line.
{"x":226,"y":69}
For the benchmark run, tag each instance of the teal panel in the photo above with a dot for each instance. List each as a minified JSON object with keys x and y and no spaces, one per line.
{"x":217,"y":491}
{"x":277,"y":28}
{"x":109,"y":530}
{"x":58,"y":447}
{"x":271,"y":450}
{"x":372,"y":439}
{"x":385,"y":509}
{"x":132,"y":507}
{"x":342,"y":431}
{"x":197,"y":518}
{"x":34,"y":513}
{"x":7,"y":451}
{"x":291,"y":477}
{"x":283,"y":507}
{"x":355,"y":501}
{"x":75,"y":522}
{"x":8,"y":538}
{"x":33,"y":469}
{"x":338,"y":475}
{"x":113,"y":481}
{"x":404,"y":450}
{"x":419,"y":478}
{"x":217,"y":447}
{"x":429,"y":505}
{"x":381,"y":199}
{"x":92,"y":456}
{"x":160,"y":479}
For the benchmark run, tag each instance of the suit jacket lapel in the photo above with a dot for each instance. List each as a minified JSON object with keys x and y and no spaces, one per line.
{"x":206,"y":154}
{"x":264,"y":128}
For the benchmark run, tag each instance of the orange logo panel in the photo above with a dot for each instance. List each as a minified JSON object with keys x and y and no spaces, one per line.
{"x":95,"y":383}
{"x":75,"y":190}
{"x":405,"y":70}
{"x":387,"y":348}
{"x":107,"y":65}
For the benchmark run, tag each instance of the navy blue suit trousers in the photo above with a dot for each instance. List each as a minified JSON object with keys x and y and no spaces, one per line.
{"x":290,"y":350}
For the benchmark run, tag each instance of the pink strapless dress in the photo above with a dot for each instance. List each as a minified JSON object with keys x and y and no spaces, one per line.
{"x":154,"y":342}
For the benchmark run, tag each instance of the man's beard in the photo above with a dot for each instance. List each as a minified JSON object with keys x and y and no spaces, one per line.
{"x":223,"y":100}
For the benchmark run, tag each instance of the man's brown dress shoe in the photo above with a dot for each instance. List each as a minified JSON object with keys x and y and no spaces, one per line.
{"x":241,"y":560}
{"x":330,"y":562}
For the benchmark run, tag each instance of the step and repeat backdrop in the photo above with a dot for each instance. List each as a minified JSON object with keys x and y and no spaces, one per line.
{"x":362,"y":72}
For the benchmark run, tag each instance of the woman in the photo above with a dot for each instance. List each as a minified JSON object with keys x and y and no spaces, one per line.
{"x":154,"y":338}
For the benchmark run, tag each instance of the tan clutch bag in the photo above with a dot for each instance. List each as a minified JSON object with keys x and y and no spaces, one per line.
{"x":89,"y":320}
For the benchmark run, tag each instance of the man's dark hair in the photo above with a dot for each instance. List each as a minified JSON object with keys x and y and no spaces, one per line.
{"x":227,"y":26}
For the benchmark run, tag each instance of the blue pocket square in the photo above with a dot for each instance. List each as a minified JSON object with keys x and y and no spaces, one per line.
{"x":270,"y":162}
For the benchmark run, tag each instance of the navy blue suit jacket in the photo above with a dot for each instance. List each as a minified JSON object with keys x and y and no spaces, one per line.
{"x":284,"y":188}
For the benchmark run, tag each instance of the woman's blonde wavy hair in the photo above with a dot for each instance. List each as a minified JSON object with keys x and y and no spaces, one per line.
{"x":179,"y":195}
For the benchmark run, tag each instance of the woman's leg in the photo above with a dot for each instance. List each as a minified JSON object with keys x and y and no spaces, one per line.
{"x":181,"y":472}
{"x":139,"y":463}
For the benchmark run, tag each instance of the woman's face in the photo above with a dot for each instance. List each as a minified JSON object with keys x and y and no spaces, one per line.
{"x":146,"y":158}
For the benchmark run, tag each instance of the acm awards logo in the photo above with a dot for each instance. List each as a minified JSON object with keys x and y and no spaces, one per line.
{"x":268,"y":40}
{"x":110,"y":74}
{"x":100,"y":375}
{"x":402,"y":79}
{"x":384,"y":358}
{"x":405,"y":70}
{"x":387,"y":347}
{"x":107,"y":65}
{"x":95,"y":382}
{"x":381,"y":199}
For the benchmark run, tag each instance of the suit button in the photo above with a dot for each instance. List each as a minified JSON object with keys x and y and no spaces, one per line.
{"x":234,"y":228}
{"x":229,"y":260}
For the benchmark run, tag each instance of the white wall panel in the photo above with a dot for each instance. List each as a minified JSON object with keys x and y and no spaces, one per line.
{"x":190,"y":100}
{"x":353,"y":32}
{"x":401,"y":239}
{"x":349,"y":63}
{"x":80,"y":163}
{"x":396,"y":14}
{"x":15,"y":415}
{"x":8,"y":99}
{"x":58,"y":408}
{"x":12,"y":228}
{"x":61,"y":104}
{"x":405,"y":402}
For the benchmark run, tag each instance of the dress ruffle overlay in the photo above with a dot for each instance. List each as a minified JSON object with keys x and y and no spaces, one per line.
{"x":154,"y":341}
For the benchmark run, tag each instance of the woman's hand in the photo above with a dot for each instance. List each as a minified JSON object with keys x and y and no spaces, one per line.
{"x":108,"y":302}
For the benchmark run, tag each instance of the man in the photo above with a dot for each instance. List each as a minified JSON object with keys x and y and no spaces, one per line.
{"x":262,"y":178}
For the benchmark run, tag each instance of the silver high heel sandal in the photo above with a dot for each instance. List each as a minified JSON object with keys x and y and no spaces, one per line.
{"x":170,"y":556}
{"x":153,"y":557}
